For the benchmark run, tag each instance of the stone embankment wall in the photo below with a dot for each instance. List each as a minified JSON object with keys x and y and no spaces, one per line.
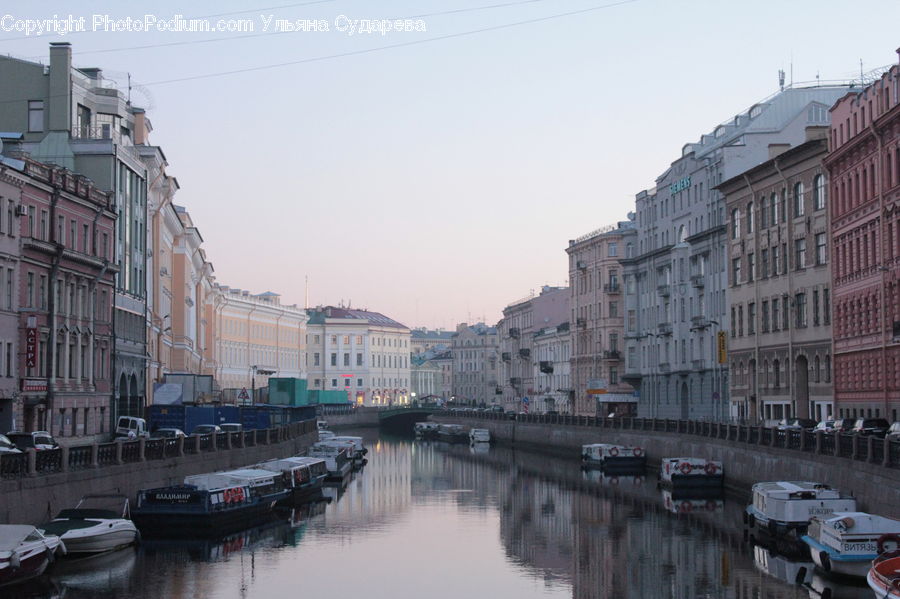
{"x":876,"y":487}
{"x":36,"y":498}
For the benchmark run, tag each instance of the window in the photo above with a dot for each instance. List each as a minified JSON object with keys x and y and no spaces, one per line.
{"x":346,"y":359}
{"x":612,"y":249}
{"x":359,"y":382}
{"x":774,"y":208}
{"x":815,"y":303}
{"x":334,"y":339}
{"x":765,"y":264}
{"x":775,"y":320}
{"x":750,"y":217}
{"x":334,"y":359}
{"x":820,"y":249}
{"x":316,"y":359}
{"x":751,"y":318}
{"x":751,"y":266}
{"x":799,"y":253}
{"x":613,"y":309}
{"x":359,"y":340}
{"x":10,"y":222}
{"x":736,"y":271}
{"x":359,"y":361}
{"x":85,"y":237}
{"x":775,"y":261}
{"x":35,"y":116}
{"x":735,"y":223}
{"x":784,"y":257}
{"x":785,"y":318}
{"x":798,"y":199}
{"x":800,"y":306}
{"x":819,"y":192}
{"x":43,"y":230}
{"x":346,"y":339}
{"x":740,"y":321}
{"x":10,"y":281}
{"x":826,"y":307}
{"x":61,"y":230}
{"x":334,"y":383}
{"x":765,"y":316}
{"x":613,"y":376}
{"x":631,"y":321}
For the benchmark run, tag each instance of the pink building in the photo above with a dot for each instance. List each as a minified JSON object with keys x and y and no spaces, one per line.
{"x":864,"y":167}
{"x":65,"y":291}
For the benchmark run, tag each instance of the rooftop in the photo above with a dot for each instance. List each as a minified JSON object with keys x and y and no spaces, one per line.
{"x":319,"y":314}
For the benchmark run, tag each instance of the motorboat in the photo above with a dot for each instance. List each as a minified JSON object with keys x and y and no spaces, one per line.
{"x":337,"y":458}
{"x":691,"y":473}
{"x":845,"y":543}
{"x":324,"y":435}
{"x":97,"y":524}
{"x":479,"y":435}
{"x":426,"y":430}
{"x":209,"y":504}
{"x":303,"y":476}
{"x":608,"y":457}
{"x":784,"y":507}
{"x":884,"y":576}
{"x":25,"y":552}
{"x":452,"y":433}
{"x":358,"y":452}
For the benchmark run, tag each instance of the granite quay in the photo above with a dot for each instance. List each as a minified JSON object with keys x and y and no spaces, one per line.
{"x":867,"y":467}
{"x":36,"y":485}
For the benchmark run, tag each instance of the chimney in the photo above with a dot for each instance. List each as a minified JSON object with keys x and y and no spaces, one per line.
{"x":777,"y":149}
{"x":60,"y":101}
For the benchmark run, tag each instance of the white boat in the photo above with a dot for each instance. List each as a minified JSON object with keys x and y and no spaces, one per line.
{"x":884,"y":577}
{"x":426,"y":430}
{"x":609,"y":456}
{"x":25,"y":552}
{"x":358,"y":452}
{"x":97,"y":524}
{"x":325,"y":435}
{"x":303,"y":476}
{"x":336,"y":456}
{"x":782,"y":507}
{"x":691,"y":473}
{"x":479,"y":435}
{"x":846,"y":542}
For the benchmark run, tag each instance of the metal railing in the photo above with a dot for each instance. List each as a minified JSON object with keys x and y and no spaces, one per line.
{"x":83,"y":457}
{"x":859,"y":448}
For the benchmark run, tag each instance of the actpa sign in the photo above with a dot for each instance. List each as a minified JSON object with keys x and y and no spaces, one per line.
{"x":597,"y":386}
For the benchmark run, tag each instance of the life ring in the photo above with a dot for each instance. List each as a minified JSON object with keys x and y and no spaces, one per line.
{"x":685,"y":468}
{"x":711,"y":505}
{"x":613,"y":451}
{"x":638,"y":452}
{"x":888,"y":538}
{"x":711,"y":469}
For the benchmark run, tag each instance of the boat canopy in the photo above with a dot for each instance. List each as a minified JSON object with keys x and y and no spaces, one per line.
{"x":796,"y":490}
{"x":863,"y":523}
{"x":12,"y":535}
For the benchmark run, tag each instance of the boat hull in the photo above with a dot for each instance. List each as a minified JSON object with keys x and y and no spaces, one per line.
{"x":177,"y":524}
{"x":832,"y":562}
{"x":880,"y":586}
{"x":30,"y":566}
{"x":101,"y":542}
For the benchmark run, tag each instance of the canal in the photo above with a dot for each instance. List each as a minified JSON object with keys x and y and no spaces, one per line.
{"x":425,"y":519}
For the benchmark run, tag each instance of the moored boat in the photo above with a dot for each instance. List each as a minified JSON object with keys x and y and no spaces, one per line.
{"x":207,"y":504}
{"x":426,"y":430}
{"x":337,"y":458}
{"x":786,"y":507}
{"x":884,"y":576}
{"x":681,"y":473}
{"x":613,"y":457}
{"x":358,"y":451}
{"x":452,"y":433}
{"x":97,"y":524}
{"x":479,"y":435}
{"x":25,"y":552}
{"x":303,"y":476}
{"x":846,"y":542}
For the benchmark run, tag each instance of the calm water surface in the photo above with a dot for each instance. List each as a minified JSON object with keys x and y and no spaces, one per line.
{"x":429,"y":520}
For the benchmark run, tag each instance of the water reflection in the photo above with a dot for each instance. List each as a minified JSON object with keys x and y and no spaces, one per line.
{"x":440,"y":521}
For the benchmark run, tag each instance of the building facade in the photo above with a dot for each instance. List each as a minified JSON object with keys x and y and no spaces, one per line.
{"x":598,"y":321}
{"x":76,"y":119}
{"x":552,"y":348}
{"x":255,"y":337}
{"x":475,"y":364}
{"x":364,"y":353}
{"x":422,"y":340}
{"x":679,"y":275}
{"x":864,"y":171}
{"x":521,"y":319}
{"x":11,"y":183}
{"x":779,"y":345}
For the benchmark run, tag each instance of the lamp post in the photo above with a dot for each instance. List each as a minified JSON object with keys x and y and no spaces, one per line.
{"x":257,"y":370}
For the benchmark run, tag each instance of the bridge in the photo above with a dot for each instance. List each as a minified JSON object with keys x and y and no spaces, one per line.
{"x":397,"y":417}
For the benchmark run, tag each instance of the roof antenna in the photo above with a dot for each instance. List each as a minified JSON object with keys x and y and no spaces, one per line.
{"x":129,"y":88}
{"x":306,"y":278}
{"x":781,"y":79}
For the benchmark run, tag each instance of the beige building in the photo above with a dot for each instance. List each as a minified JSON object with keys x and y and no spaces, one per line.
{"x":780,"y":285}
{"x":552,"y":347}
{"x":475,"y":365}
{"x":598,"y":322}
{"x":255,"y":335}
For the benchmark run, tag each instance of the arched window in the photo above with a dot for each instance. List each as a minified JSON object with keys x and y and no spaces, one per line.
{"x":773,"y":207}
{"x":819,"y":192}
{"x":682,"y":234}
{"x":798,"y":199}
{"x":735,"y":223}
{"x":750,"y":217}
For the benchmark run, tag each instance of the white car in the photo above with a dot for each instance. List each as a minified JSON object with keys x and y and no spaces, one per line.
{"x":7,"y":446}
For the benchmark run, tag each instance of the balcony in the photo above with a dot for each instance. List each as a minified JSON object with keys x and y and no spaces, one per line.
{"x":665,"y":328}
{"x":612,"y":354}
{"x":664,"y":289}
{"x":665,"y":368}
{"x":698,"y":364}
{"x":699,"y":322}
{"x":633,"y":335}
{"x":506,"y":356}
{"x":581,"y":322}
{"x":698,"y":280}
{"x":611,"y":288}
{"x":546,"y":366}
{"x":525,"y":353}
{"x":514,"y":332}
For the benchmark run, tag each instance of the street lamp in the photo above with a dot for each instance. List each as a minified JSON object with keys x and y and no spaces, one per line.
{"x":261,"y":371}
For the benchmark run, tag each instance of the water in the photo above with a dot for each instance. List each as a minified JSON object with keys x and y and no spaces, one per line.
{"x":429,"y":520}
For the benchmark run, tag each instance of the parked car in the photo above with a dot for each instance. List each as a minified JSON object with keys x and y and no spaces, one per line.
{"x":206,"y":429}
{"x":871,"y":426}
{"x":843,"y":425}
{"x":795,"y":424}
{"x":167,"y":433}
{"x":826,"y":426}
{"x":232,"y":427}
{"x":7,"y":446}
{"x":893,"y":433}
{"x":131,"y":427}
{"x":39,"y":440}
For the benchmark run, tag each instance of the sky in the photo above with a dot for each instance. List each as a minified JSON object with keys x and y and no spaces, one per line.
{"x":437,"y":176}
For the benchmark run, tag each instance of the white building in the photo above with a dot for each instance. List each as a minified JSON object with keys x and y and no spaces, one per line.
{"x":475,"y":364}
{"x":553,"y":391}
{"x":363,"y":353}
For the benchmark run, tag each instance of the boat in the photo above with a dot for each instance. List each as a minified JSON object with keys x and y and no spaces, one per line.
{"x":303,"y":476}
{"x":691,"y":505}
{"x":452,"y":433}
{"x":479,"y":435}
{"x":358,"y":451}
{"x":426,"y":430}
{"x":337,"y":458}
{"x":613,"y":457}
{"x":324,"y":435}
{"x":884,"y":576}
{"x":209,"y":504}
{"x":786,"y":507}
{"x":97,"y":524}
{"x":25,"y":552}
{"x":845,"y":543}
{"x":693,"y":473}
